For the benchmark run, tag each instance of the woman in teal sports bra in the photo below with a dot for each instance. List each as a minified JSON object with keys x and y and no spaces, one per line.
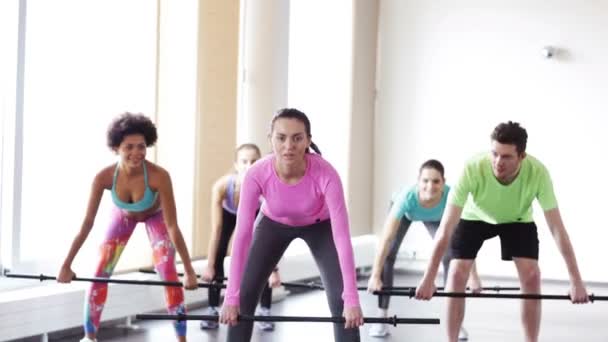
{"x":141,"y":192}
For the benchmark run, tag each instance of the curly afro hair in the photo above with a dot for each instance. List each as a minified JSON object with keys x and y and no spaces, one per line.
{"x":131,"y":123}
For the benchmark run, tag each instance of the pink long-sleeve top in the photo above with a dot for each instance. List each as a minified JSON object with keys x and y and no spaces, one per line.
{"x":318,"y":196}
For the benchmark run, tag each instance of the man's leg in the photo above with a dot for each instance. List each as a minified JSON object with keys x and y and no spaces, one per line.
{"x":457,"y":282}
{"x":529,"y":279}
{"x":467,"y":240}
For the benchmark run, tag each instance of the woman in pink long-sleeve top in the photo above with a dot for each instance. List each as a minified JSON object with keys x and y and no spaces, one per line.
{"x":303,"y":198}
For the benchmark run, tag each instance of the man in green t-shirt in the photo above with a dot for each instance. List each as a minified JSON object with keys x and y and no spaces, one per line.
{"x":493,"y":197}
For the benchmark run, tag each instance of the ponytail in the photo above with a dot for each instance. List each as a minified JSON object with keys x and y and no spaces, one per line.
{"x":315,"y":148}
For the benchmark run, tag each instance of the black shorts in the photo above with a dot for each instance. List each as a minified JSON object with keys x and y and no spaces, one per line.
{"x":519,"y":239}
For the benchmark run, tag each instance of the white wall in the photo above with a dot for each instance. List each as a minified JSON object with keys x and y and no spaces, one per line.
{"x":264,"y":55}
{"x":450,"y":71}
{"x":320,"y":65}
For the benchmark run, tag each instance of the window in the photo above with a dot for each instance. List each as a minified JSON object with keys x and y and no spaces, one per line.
{"x":9,"y":14}
{"x":81,"y":70}
{"x":67,"y":69}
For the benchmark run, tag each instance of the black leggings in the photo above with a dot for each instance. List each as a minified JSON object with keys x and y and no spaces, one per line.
{"x":228,"y":224}
{"x":389,"y":265}
{"x":270,"y":240}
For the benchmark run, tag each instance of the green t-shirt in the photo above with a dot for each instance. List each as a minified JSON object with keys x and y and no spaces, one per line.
{"x":495,"y":203}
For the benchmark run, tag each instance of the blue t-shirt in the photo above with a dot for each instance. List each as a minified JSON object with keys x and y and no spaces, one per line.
{"x":406,"y":203}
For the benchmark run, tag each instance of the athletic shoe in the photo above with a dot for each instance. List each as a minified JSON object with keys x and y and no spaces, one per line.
{"x":463,"y":335}
{"x":378,"y":330}
{"x":264,"y":326}
{"x":208,"y":325}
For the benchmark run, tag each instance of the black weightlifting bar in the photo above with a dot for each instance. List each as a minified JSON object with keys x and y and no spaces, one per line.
{"x":310,"y":285}
{"x":316,"y":286}
{"x":387,"y":320}
{"x":412,"y":293}
{"x":43,"y":277}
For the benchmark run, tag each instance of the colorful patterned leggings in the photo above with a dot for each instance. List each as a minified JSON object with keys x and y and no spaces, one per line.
{"x":119,"y":232}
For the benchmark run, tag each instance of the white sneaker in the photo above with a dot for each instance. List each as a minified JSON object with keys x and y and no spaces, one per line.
{"x":378,"y":330}
{"x":209,"y":325}
{"x":86,"y":339}
{"x":463,"y":335}
{"x":264,"y":326}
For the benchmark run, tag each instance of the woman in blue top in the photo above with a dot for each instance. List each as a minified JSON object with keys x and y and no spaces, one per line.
{"x":141,"y":192}
{"x":423,"y":202}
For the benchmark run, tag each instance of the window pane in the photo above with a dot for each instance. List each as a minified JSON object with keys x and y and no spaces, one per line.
{"x":8,"y":69}
{"x":86,"y":62}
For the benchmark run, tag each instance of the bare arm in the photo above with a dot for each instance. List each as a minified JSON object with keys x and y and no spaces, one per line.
{"x":450,"y":219}
{"x":218,"y":192}
{"x":97,"y":188}
{"x":578,"y":292}
{"x":560,"y":235}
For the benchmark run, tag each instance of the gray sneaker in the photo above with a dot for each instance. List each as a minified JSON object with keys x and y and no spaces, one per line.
{"x":264,"y":326}
{"x":209,"y":325}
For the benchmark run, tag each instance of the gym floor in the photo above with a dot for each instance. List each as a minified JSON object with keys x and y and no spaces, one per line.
{"x":495,"y":320}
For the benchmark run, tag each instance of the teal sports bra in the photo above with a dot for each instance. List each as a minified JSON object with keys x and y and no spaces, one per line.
{"x":142,"y":205}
